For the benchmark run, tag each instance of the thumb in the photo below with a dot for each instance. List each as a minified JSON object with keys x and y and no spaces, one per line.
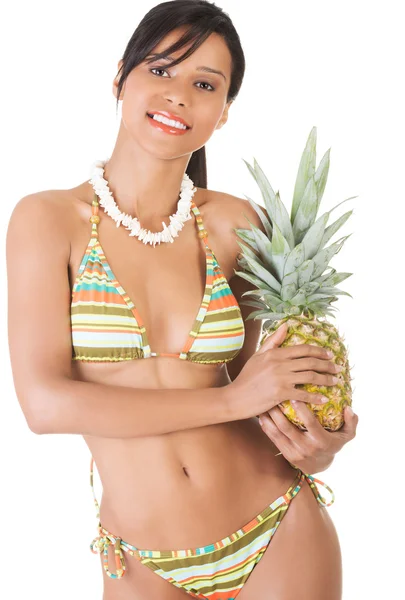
{"x":275,"y":339}
{"x":351,"y":420}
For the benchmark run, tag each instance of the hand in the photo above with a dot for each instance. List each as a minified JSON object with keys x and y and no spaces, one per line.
{"x":311,"y":451}
{"x":270,"y":375}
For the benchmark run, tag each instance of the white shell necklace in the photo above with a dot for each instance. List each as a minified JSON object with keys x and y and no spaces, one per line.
{"x":109,"y":205}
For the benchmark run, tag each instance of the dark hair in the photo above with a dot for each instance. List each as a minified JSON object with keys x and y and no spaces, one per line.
{"x":204,"y":18}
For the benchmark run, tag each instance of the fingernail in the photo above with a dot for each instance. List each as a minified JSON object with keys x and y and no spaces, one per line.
{"x":261,"y":421}
{"x":350,"y":410}
{"x":324,"y":399}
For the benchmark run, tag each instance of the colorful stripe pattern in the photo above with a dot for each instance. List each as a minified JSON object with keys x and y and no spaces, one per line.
{"x":106,"y":326}
{"x":217,"y":571}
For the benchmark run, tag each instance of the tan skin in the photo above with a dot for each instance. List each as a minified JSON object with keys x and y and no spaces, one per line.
{"x":158,"y":490}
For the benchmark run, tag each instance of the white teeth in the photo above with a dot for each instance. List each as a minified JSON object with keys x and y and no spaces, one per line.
{"x":170,"y":122}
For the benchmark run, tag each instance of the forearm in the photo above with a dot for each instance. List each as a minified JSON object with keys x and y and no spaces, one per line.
{"x":86,"y":408}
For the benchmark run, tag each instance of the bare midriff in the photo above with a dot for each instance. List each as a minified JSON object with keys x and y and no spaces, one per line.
{"x":186,"y":488}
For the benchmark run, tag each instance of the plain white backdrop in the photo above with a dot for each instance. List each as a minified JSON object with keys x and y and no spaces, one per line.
{"x":335,"y":65}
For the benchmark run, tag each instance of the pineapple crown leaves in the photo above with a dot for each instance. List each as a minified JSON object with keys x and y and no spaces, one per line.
{"x":275,"y":208}
{"x":290,"y":270}
{"x":265,"y":221}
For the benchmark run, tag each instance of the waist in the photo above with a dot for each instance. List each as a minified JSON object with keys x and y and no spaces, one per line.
{"x":175,"y":486}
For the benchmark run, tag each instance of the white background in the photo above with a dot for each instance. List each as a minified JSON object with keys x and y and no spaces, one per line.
{"x":335,"y":65}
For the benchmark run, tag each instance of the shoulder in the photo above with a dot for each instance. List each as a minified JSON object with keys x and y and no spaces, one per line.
{"x":48,"y":215}
{"x":229,"y":209}
{"x":58,"y":207}
{"x":222,"y":213}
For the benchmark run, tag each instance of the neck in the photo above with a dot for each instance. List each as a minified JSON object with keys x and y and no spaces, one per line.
{"x":143,"y":185}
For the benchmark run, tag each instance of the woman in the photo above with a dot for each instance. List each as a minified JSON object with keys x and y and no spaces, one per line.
{"x":193,"y":487}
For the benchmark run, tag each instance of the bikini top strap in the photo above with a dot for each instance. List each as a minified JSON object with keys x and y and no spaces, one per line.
{"x":96,"y":504}
{"x":95,"y":218}
{"x":202,"y":232}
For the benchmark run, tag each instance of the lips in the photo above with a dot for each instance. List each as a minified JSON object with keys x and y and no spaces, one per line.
{"x":168,"y":115}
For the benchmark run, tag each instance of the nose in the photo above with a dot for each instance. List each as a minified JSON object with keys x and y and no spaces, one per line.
{"x":176,"y":94}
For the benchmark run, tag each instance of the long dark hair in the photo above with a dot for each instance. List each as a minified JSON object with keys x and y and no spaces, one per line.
{"x":203,"y":18}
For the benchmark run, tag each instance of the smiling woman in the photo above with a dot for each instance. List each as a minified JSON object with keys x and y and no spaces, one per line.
{"x":188,"y":475}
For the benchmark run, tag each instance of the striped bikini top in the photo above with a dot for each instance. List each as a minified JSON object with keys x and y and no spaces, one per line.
{"x":106,"y":325}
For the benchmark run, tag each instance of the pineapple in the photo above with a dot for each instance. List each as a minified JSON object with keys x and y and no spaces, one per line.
{"x":289,"y":267}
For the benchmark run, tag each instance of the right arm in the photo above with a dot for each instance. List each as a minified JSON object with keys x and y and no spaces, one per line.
{"x":39,"y":335}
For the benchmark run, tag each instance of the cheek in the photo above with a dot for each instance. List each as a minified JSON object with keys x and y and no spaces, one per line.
{"x":207,"y":116}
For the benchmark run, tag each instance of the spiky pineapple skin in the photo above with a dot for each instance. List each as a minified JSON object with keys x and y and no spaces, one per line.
{"x":310,"y":330}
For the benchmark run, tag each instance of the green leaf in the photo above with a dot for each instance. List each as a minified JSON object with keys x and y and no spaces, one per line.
{"x":275,"y":208}
{"x":299,"y":298}
{"x":264,"y":275}
{"x":313,"y":237}
{"x":271,"y":299}
{"x":323,"y":257}
{"x":325,"y":276}
{"x":309,"y":288}
{"x":288,"y":291}
{"x":260,"y":211}
{"x":255,"y":293}
{"x":306,"y":212}
{"x":294,"y":259}
{"x":263,"y":244}
{"x":306,"y":170}
{"x":291,"y":278}
{"x":333,"y":227}
{"x":335,"y":291}
{"x":281,"y":250}
{"x":249,"y":277}
{"x":336,"y":278}
{"x":257,"y":314}
{"x":248,"y":252}
{"x":255,"y":304}
{"x":321,"y":175}
{"x":247,"y":236}
{"x":305,"y":272}
{"x":316,"y":297}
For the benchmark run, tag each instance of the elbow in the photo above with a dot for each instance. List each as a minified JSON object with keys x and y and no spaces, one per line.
{"x":39,"y":406}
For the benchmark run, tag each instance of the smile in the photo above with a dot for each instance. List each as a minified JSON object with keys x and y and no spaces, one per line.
{"x":167,"y":125}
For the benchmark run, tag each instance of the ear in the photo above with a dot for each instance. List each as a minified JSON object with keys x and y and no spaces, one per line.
{"x":115,"y":82}
{"x":224,"y":117}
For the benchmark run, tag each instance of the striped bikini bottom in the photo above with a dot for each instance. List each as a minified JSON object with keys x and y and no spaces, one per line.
{"x":217,"y":571}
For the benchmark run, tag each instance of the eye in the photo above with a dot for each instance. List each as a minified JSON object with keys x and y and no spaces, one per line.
{"x":206,"y":83}
{"x":203,"y":82}
{"x":157,"y":69}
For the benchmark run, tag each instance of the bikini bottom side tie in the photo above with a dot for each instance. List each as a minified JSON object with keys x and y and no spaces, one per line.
{"x":100,"y":545}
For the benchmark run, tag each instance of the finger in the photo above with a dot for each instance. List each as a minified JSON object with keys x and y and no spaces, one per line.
{"x":275,"y":339}
{"x":320,"y":379}
{"x":314,"y":428}
{"x":314,"y":364}
{"x":279,"y":439}
{"x":304,"y":396}
{"x":291,"y":431}
{"x":308,"y":350}
{"x":350,"y":423}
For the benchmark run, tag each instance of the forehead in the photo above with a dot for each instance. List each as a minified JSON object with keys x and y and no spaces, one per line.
{"x":212,"y":52}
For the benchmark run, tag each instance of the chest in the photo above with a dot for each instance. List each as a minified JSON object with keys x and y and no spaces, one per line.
{"x":166,"y":284}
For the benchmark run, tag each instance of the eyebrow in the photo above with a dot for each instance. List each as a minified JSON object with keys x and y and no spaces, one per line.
{"x":205,"y":69}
